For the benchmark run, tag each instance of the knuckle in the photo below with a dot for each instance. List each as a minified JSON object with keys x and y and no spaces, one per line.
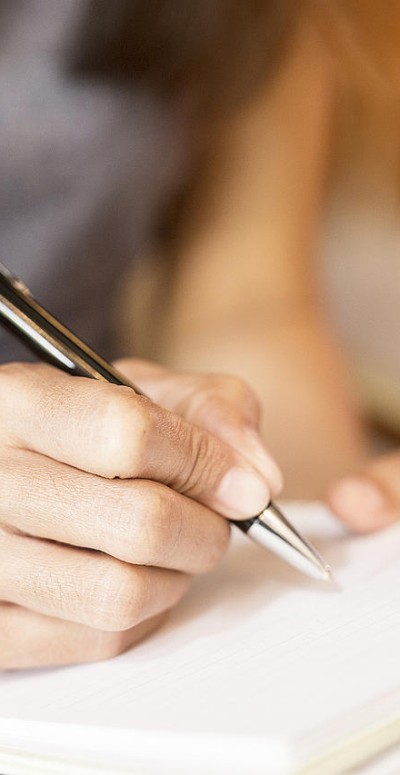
{"x":159,"y":527}
{"x":238,"y":391}
{"x":115,"y":508}
{"x":230,"y":385}
{"x":143,"y":522}
{"x":115,"y":600}
{"x":107,"y":645}
{"x":164,"y":532}
{"x":123,"y":427}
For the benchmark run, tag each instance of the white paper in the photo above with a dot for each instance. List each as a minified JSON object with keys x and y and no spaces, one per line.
{"x":256,"y":670}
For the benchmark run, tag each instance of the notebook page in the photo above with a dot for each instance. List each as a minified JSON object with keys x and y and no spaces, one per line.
{"x":258,"y":662}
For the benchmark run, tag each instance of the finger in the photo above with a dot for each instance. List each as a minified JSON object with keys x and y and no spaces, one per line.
{"x":110,"y":431}
{"x":371,"y":500}
{"x":137,"y":521}
{"x":84,"y":587}
{"x":224,"y":405}
{"x":29,"y":639}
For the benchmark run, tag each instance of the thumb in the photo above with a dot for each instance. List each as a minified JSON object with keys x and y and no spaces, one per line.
{"x":229,"y":409}
{"x":223,"y":405}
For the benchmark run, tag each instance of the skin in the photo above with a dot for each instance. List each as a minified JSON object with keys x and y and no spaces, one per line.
{"x":109,"y":503}
{"x":267,"y":165}
{"x":243,"y":292}
{"x":369,"y":499}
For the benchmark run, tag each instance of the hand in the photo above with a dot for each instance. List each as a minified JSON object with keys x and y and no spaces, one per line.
{"x":108,"y":502}
{"x":370,"y":500}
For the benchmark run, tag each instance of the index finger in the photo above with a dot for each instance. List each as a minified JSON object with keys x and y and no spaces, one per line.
{"x":111,"y":431}
{"x":222,"y":404}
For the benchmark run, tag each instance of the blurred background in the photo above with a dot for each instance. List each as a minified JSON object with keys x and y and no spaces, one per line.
{"x":324,"y":159}
{"x":222,"y":178}
{"x":360,"y":253}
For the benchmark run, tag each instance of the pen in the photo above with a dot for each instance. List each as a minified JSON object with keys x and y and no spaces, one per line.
{"x":54,"y":343}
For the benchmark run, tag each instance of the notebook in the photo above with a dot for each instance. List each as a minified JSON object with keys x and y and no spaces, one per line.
{"x":259,"y":671}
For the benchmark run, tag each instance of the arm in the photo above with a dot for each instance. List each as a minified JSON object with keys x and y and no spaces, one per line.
{"x":245,"y":294}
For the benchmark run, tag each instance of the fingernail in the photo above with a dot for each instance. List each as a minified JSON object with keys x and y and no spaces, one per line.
{"x":362,"y":503}
{"x":242,"y":493}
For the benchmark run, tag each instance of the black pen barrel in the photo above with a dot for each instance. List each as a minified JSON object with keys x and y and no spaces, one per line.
{"x":46,"y":336}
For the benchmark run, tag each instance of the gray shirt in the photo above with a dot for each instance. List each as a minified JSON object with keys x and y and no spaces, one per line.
{"x":85,"y":170}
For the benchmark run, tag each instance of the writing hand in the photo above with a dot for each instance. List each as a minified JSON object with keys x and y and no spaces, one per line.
{"x":109,"y":503}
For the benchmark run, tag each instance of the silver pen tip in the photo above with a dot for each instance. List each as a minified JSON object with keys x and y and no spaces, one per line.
{"x":331,"y":580}
{"x":327,"y":575}
{"x":275,"y":532}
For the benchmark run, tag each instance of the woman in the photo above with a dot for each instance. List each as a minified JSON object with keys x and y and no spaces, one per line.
{"x":108,"y":503}
{"x":248,"y":287}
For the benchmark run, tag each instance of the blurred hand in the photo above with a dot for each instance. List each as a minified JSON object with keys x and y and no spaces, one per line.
{"x":108,"y":502}
{"x":370,"y":500}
